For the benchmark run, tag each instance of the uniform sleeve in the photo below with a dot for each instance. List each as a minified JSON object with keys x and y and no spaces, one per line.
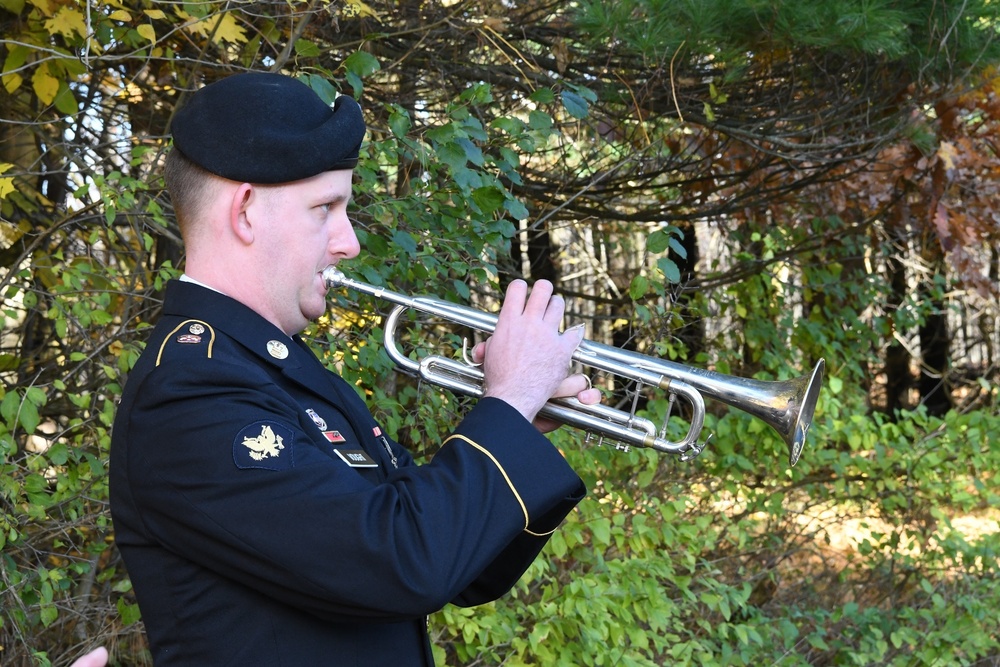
{"x":305,"y":528}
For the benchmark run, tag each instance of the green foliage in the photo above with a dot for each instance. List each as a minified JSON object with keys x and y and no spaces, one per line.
{"x":924,"y":34}
{"x":663,"y":565}
{"x":55,"y":425}
{"x":880,"y":547}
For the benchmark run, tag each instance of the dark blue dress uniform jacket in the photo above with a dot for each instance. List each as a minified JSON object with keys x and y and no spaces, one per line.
{"x":250,"y":540}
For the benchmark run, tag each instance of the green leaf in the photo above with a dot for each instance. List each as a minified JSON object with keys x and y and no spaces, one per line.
{"x":516,"y":209}
{"x":399,"y":123}
{"x":306,"y":49}
{"x":669,"y":269}
{"x":58,"y":454}
{"x":473,"y":153}
{"x":377,"y":245}
{"x":658,"y":241}
{"x":678,"y":247}
{"x":28,"y":416}
{"x":638,"y":287}
{"x":355,"y":82}
{"x":35,"y":483}
{"x":405,"y":241}
{"x":452,"y":155}
{"x":543,"y":96}
{"x":512,"y":126}
{"x":361,"y":64}
{"x":9,"y":406}
{"x":48,"y":615}
{"x":321,"y":86}
{"x":461,"y":289}
{"x":601,"y":528}
{"x":539,"y":120}
{"x":574,"y":104}
{"x":129,"y":613}
{"x":488,"y":199}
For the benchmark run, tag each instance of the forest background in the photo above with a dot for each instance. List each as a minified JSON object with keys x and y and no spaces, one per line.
{"x":742,"y":185}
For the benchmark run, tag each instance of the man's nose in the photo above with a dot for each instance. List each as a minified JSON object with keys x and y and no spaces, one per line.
{"x":344,"y":242}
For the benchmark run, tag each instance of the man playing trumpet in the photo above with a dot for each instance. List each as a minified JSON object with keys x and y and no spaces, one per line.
{"x":263,"y":515}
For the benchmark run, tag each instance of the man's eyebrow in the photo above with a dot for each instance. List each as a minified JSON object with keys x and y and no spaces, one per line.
{"x":335,"y":198}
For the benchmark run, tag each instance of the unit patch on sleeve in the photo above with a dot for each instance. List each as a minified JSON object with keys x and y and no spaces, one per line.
{"x":264,"y":444}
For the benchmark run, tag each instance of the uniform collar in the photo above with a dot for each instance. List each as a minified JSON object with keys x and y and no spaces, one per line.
{"x":185,"y":278}
{"x":190,"y":299}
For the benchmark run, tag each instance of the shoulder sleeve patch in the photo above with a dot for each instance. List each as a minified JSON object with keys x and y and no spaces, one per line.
{"x":191,"y":336}
{"x":264,"y":444}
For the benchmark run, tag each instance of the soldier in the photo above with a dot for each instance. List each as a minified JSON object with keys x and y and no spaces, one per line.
{"x":263,"y":515}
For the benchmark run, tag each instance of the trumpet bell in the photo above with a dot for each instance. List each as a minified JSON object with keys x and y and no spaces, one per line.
{"x":803,"y":394}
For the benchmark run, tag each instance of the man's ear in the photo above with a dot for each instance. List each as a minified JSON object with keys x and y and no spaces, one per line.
{"x":239,"y":220}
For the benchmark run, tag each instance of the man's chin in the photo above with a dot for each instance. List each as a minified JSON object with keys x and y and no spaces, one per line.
{"x":314,"y":311}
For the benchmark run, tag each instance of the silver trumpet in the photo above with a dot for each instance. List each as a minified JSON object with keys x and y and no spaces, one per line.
{"x":787,"y":406}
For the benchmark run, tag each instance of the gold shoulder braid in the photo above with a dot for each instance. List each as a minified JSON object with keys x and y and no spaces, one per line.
{"x":189,"y":332}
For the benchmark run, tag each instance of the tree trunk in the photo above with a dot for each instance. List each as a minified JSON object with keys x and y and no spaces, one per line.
{"x":897,"y":357}
{"x":935,"y":343}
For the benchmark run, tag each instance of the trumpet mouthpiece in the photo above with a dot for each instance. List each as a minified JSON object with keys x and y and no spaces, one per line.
{"x":333,"y":277}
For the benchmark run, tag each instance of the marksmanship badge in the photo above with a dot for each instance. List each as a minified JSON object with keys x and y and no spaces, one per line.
{"x":319,"y":421}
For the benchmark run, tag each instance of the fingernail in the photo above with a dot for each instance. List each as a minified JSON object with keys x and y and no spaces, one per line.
{"x":579,"y":328}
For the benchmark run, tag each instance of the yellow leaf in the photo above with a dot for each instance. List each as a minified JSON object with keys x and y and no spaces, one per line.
{"x":6,"y":184}
{"x":45,"y":6}
{"x":120,"y":15}
{"x":6,"y":187}
{"x":9,"y":233}
{"x":46,"y":86}
{"x":67,"y":22}
{"x":11,"y":82}
{"x":228,"y":30}
{"x":146,"y":31}
{"x":946,"y":153}
{"x":16,"y":56}
{"x":155,"y":13}
{"x":357,"y":8}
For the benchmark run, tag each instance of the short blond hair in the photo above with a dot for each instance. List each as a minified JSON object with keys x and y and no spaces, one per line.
{"x":190,"y":189}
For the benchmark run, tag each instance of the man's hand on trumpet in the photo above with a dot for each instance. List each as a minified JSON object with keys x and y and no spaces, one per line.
{"x":526,"y":360}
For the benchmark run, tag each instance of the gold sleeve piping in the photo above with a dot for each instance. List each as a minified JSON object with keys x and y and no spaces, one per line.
{"x":503,"y":472}
{"x":169,"y":336}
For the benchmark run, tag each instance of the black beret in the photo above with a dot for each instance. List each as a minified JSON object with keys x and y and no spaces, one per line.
{"x":267,"y":128}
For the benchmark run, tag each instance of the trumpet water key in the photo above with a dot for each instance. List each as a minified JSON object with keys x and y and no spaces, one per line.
{"x":787,"y":406}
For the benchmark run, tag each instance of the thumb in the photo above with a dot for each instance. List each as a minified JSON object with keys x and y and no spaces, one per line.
{"x":479,"y":352}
